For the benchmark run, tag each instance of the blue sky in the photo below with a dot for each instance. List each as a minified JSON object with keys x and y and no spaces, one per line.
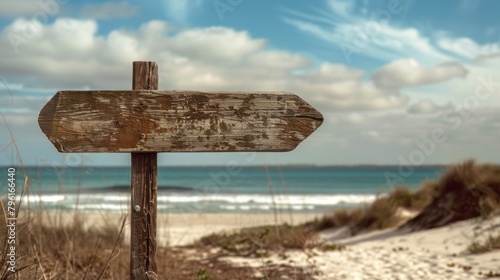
{"x":398,"y":81}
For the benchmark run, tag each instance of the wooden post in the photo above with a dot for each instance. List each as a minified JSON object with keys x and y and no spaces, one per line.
{"x":144,"y":191}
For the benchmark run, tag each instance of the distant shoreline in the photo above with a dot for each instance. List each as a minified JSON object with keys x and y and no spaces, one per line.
{"x":243,"y":166}
{"x":127,"y":188}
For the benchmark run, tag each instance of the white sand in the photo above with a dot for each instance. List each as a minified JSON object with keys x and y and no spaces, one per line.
{"x":431,"y":254}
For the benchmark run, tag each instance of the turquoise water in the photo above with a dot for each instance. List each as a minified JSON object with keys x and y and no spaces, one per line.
{"x":220,"y":189}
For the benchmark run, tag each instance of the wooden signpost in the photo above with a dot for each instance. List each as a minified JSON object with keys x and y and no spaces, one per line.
{"x":145,"y":121}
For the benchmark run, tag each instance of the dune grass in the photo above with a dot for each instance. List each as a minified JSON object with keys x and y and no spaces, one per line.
{"x":472,"y":190}
{"x":482,"y":182}
{"x":261,"y":241}
{"x":382,"y":213}
{"x":49,"y":249}
{"x":492,"y":242}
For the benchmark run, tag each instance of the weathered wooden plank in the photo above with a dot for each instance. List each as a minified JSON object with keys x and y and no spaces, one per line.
{"x":144,"y":187}
{"x":177,"y":121}
{"x":144,"y":182}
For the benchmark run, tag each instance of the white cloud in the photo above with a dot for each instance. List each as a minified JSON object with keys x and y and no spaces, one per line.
{"x":374,"y":135}
{"x":68,"y":54}
{"x":356,"y":35}
{"x":469,"y":49}
{"x":12,"y":9}
{"x":180,"y":10}
{"x":483,"y":57}
{"x":348,"y":94}
{"x":343,"y":8}
{"x":408,"y":72}
{"x":463,"y":47}
{"x":387,"y":136}
{"x":355,"y":118}
{"x":109,"y":10}
{"x":426,"y":106}
{"x":360,"y":36}
{"x":334,"y":72}
{"x":212,"y":44}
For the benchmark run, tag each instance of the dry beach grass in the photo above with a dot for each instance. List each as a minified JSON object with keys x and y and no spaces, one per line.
{"x":67,"y":246}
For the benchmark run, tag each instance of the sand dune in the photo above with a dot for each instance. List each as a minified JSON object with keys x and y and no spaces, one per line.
{"x":390,"y":254}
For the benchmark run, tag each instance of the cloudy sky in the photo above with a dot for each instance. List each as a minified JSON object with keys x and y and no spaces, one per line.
{"x":398,"y":81}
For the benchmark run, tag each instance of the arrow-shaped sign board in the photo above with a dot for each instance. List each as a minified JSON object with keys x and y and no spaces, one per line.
{"x":145,"y":121}
{"x":176,"y":121}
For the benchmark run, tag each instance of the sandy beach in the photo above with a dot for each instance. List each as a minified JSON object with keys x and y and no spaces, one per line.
{"x":389,"y":254}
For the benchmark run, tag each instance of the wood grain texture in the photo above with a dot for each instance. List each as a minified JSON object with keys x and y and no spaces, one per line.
{"x":144,"y":188}
{"x":176,"y":121}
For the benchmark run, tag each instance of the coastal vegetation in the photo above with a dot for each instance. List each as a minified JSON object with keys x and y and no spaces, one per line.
{"x":466,"y":190}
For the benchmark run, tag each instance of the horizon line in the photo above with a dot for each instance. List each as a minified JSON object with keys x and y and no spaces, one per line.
{"x":243,"y":165}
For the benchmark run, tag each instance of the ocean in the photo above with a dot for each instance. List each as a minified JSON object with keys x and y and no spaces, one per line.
{"x":237,"y":189}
